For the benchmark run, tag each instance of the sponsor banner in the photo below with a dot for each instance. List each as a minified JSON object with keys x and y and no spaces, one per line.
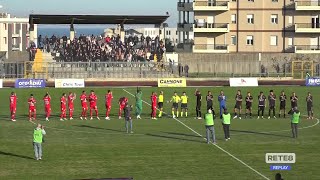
{"x":69,"y":83}
{"x":313,"y":81}
{"x":280,"y":158}
{"x":30,"y":83}
{"x":1,"y":83}
{"x":172,"y":82}
{"x":243,"y":82}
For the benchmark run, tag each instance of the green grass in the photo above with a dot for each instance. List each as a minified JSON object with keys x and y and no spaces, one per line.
{"x":162,"y":149}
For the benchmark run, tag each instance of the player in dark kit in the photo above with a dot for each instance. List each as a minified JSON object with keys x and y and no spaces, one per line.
{"x":283,"y":102}
{"x":294,"y":102}
{"x":198,"y":95}
{"x":272,"y":103}
{"x":238,"y":105}
{"x":249,"y":100}
{"x":261,"y":104}
{"x":209,"y":99}
{"x":309,"y":106}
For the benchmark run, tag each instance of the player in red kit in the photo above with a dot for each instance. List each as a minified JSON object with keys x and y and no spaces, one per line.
{"x":47,"y":105}
{"x":71,"y":98}
{"x":122,"y":104}
{"x":63,"y":106}
{"x":93,"y":104}
{"x":13,"y":105}
{"x":84,"y":105}
{"x":154,"y":105}
{"x":32,"y":108}
{"x":109,"y":98}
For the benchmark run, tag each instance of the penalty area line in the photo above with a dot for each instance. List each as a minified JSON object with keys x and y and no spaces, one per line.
{"x":220,"y":148}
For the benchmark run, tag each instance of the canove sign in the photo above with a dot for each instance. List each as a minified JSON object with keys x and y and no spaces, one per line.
{"x":243,"y":82}
{"x":30,"y":83}
{"x":69,"y":83}
{"x":172,"y":82}
{"x":313,"y":81}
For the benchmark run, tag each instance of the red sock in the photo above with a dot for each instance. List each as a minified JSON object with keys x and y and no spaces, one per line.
{"x":108,"y":112}
{"x":120,"y":112}
{"x":90,"y":112}
{"x":70,"y":114}
{"x":29,"y":115}
{"x":34,"y":115}
{"x":97,"y":112}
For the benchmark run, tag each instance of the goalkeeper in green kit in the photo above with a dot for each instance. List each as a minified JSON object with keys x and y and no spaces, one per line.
{"x":138,"y":103}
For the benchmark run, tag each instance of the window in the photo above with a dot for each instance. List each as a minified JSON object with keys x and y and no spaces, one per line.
{"x":5,"y":40}
{"x":249,"y":40}
{"x":290,"y":42}
{"x":274,"y":18}
{"x":274,"y":0}
{"x":250,"y":18}
{"x":233,"y":18}
{"x":273,"y":40}
{"x":250,"y":0}
{"x":5,"y":26}
{"x":290,"y":19}
{"x":234,"y":40}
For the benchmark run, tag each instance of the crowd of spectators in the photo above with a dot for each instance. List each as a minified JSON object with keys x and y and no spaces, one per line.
{"x":103,"y":49}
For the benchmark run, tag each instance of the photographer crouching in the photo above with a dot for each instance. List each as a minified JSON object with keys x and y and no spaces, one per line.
{"x":38,"y":134}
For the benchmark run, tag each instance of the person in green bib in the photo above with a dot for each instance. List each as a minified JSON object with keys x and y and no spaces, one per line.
{"x":295,"y":120}
{"x":38,"y":134}
{"x":226,"y":121}
{"x":209,"y":124}
{"x":138,"y":103}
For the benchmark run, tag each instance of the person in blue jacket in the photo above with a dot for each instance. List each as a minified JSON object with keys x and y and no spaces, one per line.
{"x":222,"y":102}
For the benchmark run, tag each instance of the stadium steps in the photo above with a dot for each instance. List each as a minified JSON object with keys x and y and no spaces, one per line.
{"x":38,"y":62}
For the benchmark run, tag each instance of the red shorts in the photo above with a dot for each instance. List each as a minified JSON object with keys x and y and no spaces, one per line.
{"x":32,"y":109}
{"x":108,"y":106}
{"x":93,"y":106}
{"x":63,"y":108}
{"x":122,"y":107}
{"x":13,"y":108}
{"x":47,"y":109}
{"x":71,"y":108}
{"x":84,"y":107}
{"x":154,"y":107}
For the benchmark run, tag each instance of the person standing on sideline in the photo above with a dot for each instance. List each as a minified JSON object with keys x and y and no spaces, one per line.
{"x":261,"y":104}
{"x":71,"y":98}
{"x":175,"y":99}
{"x":38,"y":134}
{"x":209,"y":124}
{"x":108,"y":99}
{"x":295,"y":120}
{"x":272,"y":103}
{"x":160,"y":103}
{"x":238,"y":105}
{"x":138,"y":97}
{"x":47,"y":105}
{"x":184,"y":104}
{"x":222,"y":102}
{"x":209,"y":99}
{"x":226,"y":121}
{"x":249,"y":101}
{"x":154,"y":100}
{"x":127,"y":117}
{"x":198,"y":105}
{"x":283,"y":102}
{"x":13,"y":105}
{"x":309,"y":101}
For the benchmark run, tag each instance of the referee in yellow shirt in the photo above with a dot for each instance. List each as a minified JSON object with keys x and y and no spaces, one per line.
{"x":175,"y":99}
{"x":160,"y":103}
{"x":184,"y":104}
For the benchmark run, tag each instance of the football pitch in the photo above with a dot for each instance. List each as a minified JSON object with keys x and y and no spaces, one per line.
{"x":166,"y":148}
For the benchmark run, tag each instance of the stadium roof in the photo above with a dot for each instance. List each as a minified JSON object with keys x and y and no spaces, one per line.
{"x":95,"y":19}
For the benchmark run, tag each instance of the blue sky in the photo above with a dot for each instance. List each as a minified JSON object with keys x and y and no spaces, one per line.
{"x":131,"y":7}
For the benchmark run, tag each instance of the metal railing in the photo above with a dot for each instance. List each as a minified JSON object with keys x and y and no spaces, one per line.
{"x":211,"y":25}
{"x":211,"y":3}
{"x":85,"y":70}
{"x":308,"y":25}
{"x":185,"y":25}
{"x":211,"y":47}
{"x":308,"y":3}
{"x":308,"y":47}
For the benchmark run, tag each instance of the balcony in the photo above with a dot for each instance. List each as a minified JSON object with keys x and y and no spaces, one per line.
{"x":185,"y":27}
{"x":310,"y":5}
{"x":206,"y":5}
{"x":210,"y":48}
{"x":307,"y":28}
{"x":211,"y":28}
{"x":185,"y":6}
{"x":307,"y":49}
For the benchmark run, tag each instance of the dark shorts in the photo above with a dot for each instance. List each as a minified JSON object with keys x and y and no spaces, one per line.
{"x":271,"y":107}
{"x":184,"y":106}
{"x":198,"y":107}
{"x":160,"y":104}
{"x":238,"y":106}
{"x":209,"y":107}
{"x":175,"y":105}
{"x":261,"y":108}
{"x":282,"y":106}
{"x":309,"y":108}
{"x":248,"y":106}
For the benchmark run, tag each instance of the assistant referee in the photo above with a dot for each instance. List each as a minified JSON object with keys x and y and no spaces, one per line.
{"x":160,"y":103}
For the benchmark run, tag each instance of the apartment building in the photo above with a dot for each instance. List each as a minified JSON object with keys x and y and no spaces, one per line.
{"x":266,"y":26}
{"x":14,"y":33}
